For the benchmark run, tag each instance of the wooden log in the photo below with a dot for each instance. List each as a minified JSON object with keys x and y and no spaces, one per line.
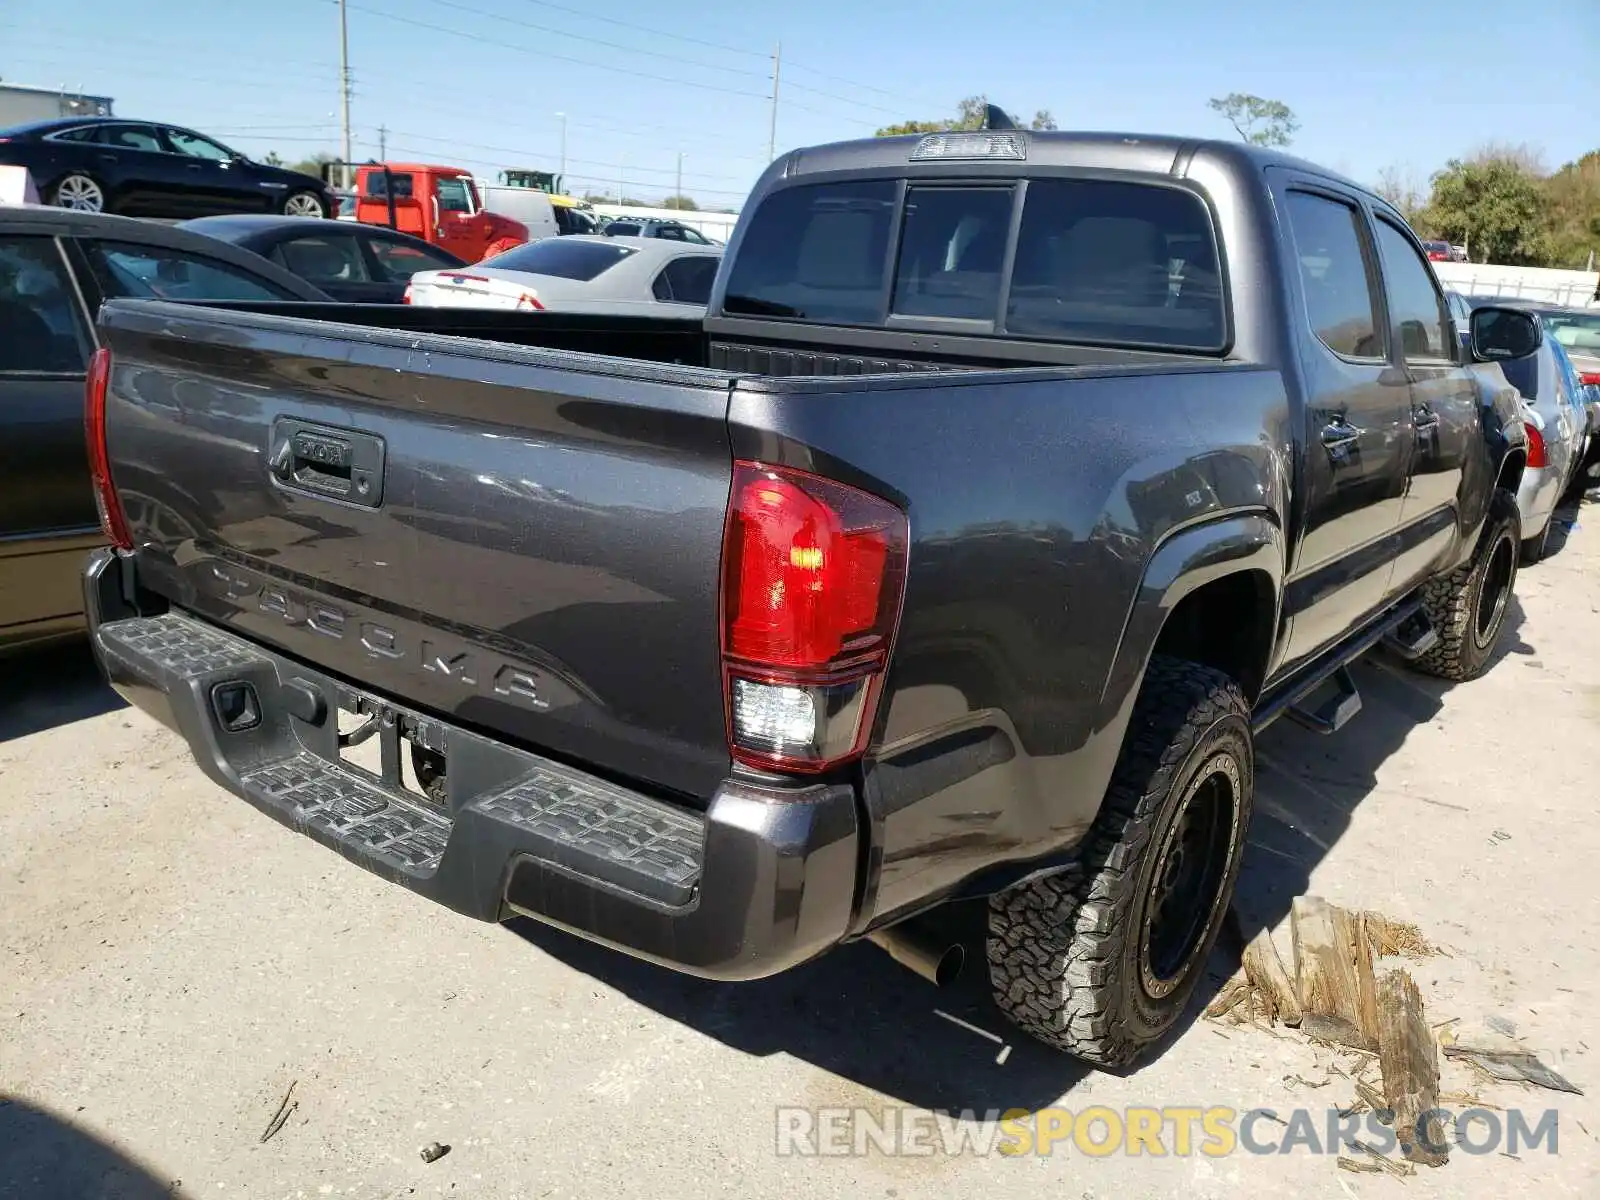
{"x":1336,"y":1031}
{"x":1333,"y":966}
{"x":1409,"y":1060}
{"x":1267,"y":974}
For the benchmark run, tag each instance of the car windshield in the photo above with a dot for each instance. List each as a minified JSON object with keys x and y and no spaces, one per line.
{"x":565,"y":258}
{"x":1578,"y":333}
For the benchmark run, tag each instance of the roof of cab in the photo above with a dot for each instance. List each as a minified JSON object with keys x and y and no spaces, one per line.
{"x":1142,"y":152}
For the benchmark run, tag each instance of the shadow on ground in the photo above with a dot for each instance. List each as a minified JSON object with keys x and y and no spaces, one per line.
{"x":55,"y":685}
{"x":859,"y":1016}
{"x":45,"y":1155}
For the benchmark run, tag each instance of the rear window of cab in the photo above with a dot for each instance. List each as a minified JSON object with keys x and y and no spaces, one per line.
{"x":1106,"y":262}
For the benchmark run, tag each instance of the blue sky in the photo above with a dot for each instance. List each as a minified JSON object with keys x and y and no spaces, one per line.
{"x":478,"y":83}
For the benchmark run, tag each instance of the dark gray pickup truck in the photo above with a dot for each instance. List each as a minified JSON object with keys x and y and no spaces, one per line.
{"x":1012,"y":483}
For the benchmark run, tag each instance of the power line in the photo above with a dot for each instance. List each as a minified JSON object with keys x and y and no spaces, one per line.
{"x":492,"y":163}
{"x":582,"y":162}
{"x":582,"y":62}
{"x":579,"y":37}
{"x":680,"y":37}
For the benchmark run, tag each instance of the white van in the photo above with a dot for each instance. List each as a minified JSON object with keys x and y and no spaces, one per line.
{"x":543,"y":214}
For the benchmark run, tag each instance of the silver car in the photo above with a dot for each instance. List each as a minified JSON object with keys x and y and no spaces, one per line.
{"x":580,"y":273}
{"x":1557,"y":421}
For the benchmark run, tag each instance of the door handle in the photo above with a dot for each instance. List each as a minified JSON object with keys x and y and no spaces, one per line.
{"x":1338,"y":434}
{"x":339,"y":464}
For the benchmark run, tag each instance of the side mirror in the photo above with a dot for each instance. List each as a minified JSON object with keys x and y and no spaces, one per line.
{"x":1499,"y":334}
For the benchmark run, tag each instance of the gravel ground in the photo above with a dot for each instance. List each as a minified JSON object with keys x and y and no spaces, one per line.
{"x":171,"y":962}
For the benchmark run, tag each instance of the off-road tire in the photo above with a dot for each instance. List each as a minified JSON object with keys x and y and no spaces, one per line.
{"x":1452,"y":601}
{"x":1067,"y":951}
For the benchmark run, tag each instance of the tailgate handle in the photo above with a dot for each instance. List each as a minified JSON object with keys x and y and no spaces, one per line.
{"x":339,"y":464}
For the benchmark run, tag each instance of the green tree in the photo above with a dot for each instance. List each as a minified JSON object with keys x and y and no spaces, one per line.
{"x":970,"y":113}
{"x":1573,"y":194}
{"x":1259,"y":122}
{"x":314,"y":164}
{"x":1496,"y":207}
{"x":681,"y":203}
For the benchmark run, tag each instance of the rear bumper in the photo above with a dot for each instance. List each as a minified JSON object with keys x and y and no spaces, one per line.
{"x":764,"y":879}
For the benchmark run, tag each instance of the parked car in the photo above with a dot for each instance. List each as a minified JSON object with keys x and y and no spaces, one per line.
{"x":581,"y":273}
{"x":1439,"y":251}
{"x":56,"y":267}
{"x":143,"y":169}
{"x":648,"y":227}
{"x":1577,"y":330}
{"x":438,"y":204}
{"x":1557,"y":422}
{"x":952,"y":554}
{"x":360,"y":264}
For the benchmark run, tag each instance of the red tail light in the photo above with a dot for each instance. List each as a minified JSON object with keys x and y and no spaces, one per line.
{"x":813,"y":572}
{"x":1589,"y":377}
{"x":406,"y":299}
{"x":528,"y":302}
{"x":1535,"y":445}
{"x":112,"y":520}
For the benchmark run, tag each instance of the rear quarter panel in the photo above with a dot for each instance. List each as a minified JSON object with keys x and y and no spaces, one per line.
{"x":1037,"y":505}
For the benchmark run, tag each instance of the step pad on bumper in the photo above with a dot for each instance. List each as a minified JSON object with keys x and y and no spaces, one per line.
{"x":287,"y":765}
{"x":594,"y":820}
{"x":360,"y":814}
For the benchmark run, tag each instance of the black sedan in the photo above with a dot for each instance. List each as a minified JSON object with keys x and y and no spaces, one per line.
{"x":140,"y":169}
{"x":358,"y":264}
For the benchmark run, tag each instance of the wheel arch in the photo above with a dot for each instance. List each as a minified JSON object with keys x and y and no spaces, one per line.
{"x":1211,"y":594}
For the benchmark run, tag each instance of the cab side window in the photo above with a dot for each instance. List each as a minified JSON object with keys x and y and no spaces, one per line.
{"x":1340,"y":300}
{"x":41,"y":330}
{"x":1415,"y":302}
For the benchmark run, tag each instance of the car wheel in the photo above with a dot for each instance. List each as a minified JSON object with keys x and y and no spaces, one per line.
{"x":80,"y":193}
{"x":304,"y":204}
{"x":1468,"y":606}
{"x":1102,"y":959}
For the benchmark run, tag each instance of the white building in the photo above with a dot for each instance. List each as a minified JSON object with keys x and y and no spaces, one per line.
{"x":20,"y":104}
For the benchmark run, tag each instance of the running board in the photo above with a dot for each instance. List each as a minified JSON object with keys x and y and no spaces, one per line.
{"x":1291,"y":698}
{"x":1334,"y":713}
{"x":1413,"y":637}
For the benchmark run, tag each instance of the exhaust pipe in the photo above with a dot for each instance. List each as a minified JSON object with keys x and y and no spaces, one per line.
{"x":916,"y":945}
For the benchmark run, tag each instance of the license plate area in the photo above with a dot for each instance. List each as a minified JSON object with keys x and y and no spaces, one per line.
{"x":394,"y":747}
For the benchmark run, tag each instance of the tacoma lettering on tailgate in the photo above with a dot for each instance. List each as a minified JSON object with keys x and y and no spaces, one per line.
{"x":427,"y":653}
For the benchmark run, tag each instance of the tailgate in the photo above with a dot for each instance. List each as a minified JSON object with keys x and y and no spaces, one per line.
{"x":523,"y":540}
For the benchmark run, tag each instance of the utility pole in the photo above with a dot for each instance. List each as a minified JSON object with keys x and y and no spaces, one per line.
{"x":383,"y":143}
{"x":344,"y":86}
{"x":772,"y":129}
{"x":563,"y":117}
{"x":679,"y":191}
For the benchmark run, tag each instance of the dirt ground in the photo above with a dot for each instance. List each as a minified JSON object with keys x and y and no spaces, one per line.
{"x":171,"y":962}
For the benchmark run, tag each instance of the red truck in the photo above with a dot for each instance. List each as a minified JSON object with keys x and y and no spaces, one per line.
{"x":441,"y":205}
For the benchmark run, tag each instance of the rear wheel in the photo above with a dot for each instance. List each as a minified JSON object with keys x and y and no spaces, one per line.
{"x":304,"y":204}
{"x":1468,"y":606}
{"x":1102,"y":959}
{"x":80,"y":193}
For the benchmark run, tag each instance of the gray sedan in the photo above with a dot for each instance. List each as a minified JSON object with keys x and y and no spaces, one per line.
{"x":580,"y":273}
